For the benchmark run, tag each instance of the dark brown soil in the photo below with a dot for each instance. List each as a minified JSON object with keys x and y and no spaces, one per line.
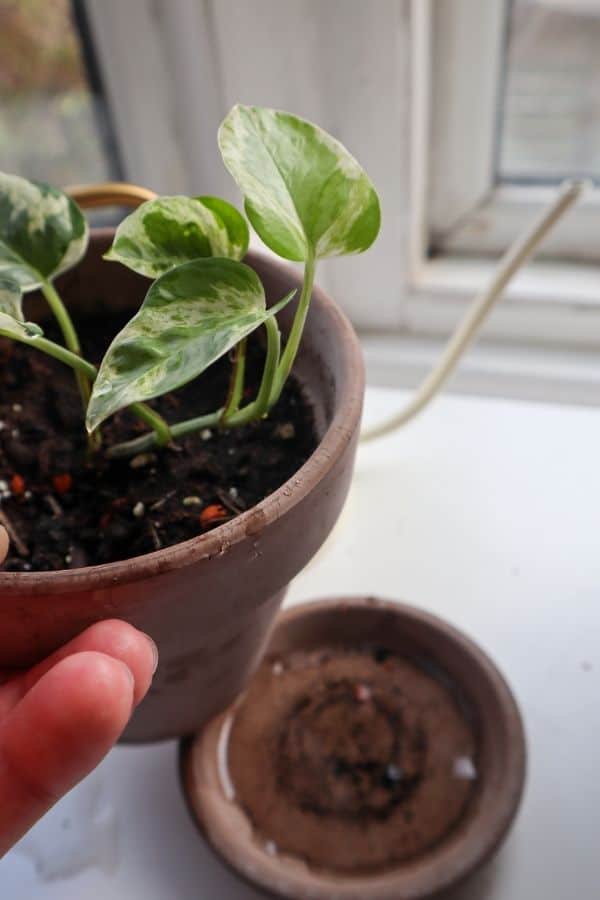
{"x":68,"y":511}
{"x":353,"y":760}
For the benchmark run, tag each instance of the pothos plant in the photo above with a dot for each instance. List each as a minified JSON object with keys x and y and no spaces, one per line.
{"x":305,"y":196}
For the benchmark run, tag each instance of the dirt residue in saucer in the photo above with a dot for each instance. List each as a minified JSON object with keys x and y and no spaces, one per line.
{"x":353,"y":760}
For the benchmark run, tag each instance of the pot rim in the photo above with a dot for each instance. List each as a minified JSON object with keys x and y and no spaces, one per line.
{"x":426,"y":876}
{"x":252,"y":521}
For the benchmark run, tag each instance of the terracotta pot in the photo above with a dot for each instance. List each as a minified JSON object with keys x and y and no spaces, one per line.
{"x":207,"y":602}
{"x":272,"y":708}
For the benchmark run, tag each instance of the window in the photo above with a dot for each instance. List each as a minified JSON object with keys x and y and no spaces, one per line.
{"x":550,"y":110}
{"x":53,"y":122}
{"x":505,"y":107}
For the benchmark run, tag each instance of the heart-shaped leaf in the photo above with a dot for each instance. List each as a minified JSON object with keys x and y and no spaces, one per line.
{"x":42,"y":231}
{"x":169,"y":231}
{"x":11,"y":295}
{"x":190,"y":317}
{"x":304,"y":193}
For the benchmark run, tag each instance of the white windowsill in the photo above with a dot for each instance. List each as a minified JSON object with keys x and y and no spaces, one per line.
{"x":489,"y":368}
{"x":549,"y":304}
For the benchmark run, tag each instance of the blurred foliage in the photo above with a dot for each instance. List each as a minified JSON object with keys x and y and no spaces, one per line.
{"x":39,"y":49}
{"x":48,"y":121}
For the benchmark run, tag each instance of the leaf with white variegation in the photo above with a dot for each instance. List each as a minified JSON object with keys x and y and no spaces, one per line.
{"x":305,"y":195}
{"x":42,"y":231}
{"x":190,"y":317}
{"x":11,"y":295}
{"x":166,"y":232}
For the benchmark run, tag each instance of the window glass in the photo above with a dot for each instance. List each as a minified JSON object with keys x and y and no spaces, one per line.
{"x":550,"y":114}
{"x":53,"y":121}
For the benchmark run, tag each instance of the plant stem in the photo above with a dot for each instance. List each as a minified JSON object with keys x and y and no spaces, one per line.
{"x":62,"y":316}
{"x":147,"y":441}
{"x":70,"y":335}
{"x":236,"y":388}
{"x":262,"y":404}
{"x":250,"y":413}
{"x":76,"y":362}
{"x":516,"y":255}
{"x":162,"y":432}
{"x":89,"y":372}
{"x":291,"y":349}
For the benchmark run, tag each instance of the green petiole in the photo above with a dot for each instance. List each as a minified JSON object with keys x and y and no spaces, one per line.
{"x":162,"y":432}
{"x":82,"y":367}
{"x":236,"y":390}
{"x":148,"y":440}
{"x":262,"y":404}
{"x":291,"y":348}
{"x":76,"y":362}
{"x":250,"y":413}
{"x":70,"y":335}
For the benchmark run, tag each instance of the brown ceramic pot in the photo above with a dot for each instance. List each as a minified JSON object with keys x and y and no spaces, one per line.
{"x":376,"y":631}
{"x":208,"y":602}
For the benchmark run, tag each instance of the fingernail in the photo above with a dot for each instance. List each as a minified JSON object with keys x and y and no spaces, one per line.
{"x":154,"y":652}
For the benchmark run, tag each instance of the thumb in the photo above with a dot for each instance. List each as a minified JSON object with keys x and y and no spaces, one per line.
{"x":58,"y":733}
{"x":4,"y":543}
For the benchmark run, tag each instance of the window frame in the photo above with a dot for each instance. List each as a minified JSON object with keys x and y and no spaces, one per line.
{"x":458,"y":233}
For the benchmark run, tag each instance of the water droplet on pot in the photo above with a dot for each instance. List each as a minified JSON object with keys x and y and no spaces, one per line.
{"x":464,"y":768}
{"x":256,"y":553}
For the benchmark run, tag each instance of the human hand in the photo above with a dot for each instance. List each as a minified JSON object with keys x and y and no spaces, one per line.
{"x":60,"y":718}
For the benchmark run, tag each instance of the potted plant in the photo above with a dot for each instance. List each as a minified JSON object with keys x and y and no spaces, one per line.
{"x":188,"y":503}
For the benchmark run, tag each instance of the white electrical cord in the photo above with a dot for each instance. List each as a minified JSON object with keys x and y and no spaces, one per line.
{"x":483,"y":303}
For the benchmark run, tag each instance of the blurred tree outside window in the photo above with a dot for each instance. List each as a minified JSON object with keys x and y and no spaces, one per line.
{"x":53,"y":126}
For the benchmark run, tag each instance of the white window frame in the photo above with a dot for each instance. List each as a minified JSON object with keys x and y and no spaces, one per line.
{"x":170,"y":77}
{"x":458,"y":209}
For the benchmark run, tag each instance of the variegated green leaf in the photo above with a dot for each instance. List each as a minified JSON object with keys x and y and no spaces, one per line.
{"x":42,"y":231}
{"x":190,"y":317}
{"x":11,"y":295}
{"x":169,"y":231}
{"x":304,"y":193}
{"x":13,"y":328}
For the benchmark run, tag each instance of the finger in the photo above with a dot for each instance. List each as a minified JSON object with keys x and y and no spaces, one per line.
{"x":112,"y":637}
{"x":61,"y":730}
{"x":4,"y":543}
